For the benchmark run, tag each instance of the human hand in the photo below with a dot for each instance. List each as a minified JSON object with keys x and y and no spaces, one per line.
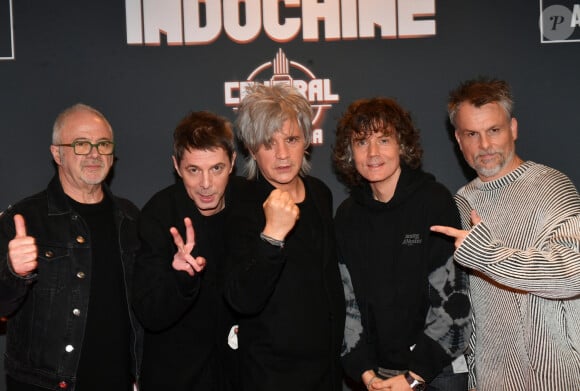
{"x":368,"y":377}
{"x":395,"y":383}
{"x":458,"y":234}
{"x":22,"y":250}
{"x":183,"y":260}
{"x":281,"y":214}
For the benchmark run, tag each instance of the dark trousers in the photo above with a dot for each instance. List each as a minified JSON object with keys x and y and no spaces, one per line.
{"x":449,"y":381}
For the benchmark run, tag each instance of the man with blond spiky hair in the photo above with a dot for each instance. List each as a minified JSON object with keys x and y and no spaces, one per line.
{"x":284,"y":280}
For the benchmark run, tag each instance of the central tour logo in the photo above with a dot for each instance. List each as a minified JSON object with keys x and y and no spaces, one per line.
{"x":281,"y":70}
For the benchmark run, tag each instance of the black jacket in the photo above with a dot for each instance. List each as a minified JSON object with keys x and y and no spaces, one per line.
{"x":43,"y":321}
{"x":292,"y":314}
{"x":186,"y":319}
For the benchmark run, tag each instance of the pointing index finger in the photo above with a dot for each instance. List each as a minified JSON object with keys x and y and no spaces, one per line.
{"x":449,"y":231}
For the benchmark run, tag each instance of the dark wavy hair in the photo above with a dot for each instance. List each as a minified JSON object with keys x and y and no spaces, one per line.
{"x":203,"y":130}
{"x":366,"y":116}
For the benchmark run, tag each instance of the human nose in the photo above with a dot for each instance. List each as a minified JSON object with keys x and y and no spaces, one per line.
{"x":93,"y":152}
{"x":373,"y":148}
{"x":206,"y":180}
{"x":281,"y":151}
{"x":484,"y":141}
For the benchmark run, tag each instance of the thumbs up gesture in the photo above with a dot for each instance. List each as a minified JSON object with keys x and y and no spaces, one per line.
{"x":22,"y":250}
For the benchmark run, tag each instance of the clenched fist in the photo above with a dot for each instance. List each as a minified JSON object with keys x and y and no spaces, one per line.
{"x":281,"y":214}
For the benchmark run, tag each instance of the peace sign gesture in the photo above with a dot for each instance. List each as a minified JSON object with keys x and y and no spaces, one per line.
{"x":183,"y":260}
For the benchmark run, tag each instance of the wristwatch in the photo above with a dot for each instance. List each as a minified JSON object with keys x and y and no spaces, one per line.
{"x":416,"y":385}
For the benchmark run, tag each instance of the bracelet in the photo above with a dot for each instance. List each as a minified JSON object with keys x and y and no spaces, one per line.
{"x":272,"y":241}
{"x":371,"y":381}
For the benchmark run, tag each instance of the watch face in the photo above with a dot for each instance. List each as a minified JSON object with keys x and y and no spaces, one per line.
{"x":418,"y":386}
{"x":415,"y":384}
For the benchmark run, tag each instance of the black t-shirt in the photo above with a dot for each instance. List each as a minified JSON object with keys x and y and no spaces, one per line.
{"x":105,"y":362}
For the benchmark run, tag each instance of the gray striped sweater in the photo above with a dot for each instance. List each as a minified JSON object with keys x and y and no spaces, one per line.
{"x":525,"y":280}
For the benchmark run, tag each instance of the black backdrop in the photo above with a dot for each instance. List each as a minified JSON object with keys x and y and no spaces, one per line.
{"x":55,"y":54}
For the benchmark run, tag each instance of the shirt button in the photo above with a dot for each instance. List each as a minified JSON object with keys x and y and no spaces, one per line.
{"x":48,"y":254}
{"x":80,"y":239}
{"x":69,"y":348}
{"x":76,"y":312}
{"x":63,"y":385}
{"x":81,"y":275}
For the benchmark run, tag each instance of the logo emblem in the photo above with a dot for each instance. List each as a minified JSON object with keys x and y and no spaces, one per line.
{"x":411,"y":240}
{"x":560,"y":21}
{"x":283,"y":71}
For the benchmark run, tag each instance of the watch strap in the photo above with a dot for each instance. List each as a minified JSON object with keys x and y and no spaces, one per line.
{"x":415,"y":384}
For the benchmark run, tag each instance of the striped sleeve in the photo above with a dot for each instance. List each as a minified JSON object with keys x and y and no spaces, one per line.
{"x":551,"y":272}
{"x":529,"y":241}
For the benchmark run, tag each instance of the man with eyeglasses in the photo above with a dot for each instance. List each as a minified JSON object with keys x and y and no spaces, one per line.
{"x":67,"y":256}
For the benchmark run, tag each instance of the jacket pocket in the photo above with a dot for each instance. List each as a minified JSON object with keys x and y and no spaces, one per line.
{"x":54,"y":268}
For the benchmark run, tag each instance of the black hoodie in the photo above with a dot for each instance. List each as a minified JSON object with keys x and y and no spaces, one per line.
{"x":408,"y":290}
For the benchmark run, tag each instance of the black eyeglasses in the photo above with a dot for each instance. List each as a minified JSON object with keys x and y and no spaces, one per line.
{"x":84,"y":147}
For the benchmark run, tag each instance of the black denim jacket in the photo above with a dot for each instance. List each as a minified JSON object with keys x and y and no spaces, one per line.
{"x":48,"y":309}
